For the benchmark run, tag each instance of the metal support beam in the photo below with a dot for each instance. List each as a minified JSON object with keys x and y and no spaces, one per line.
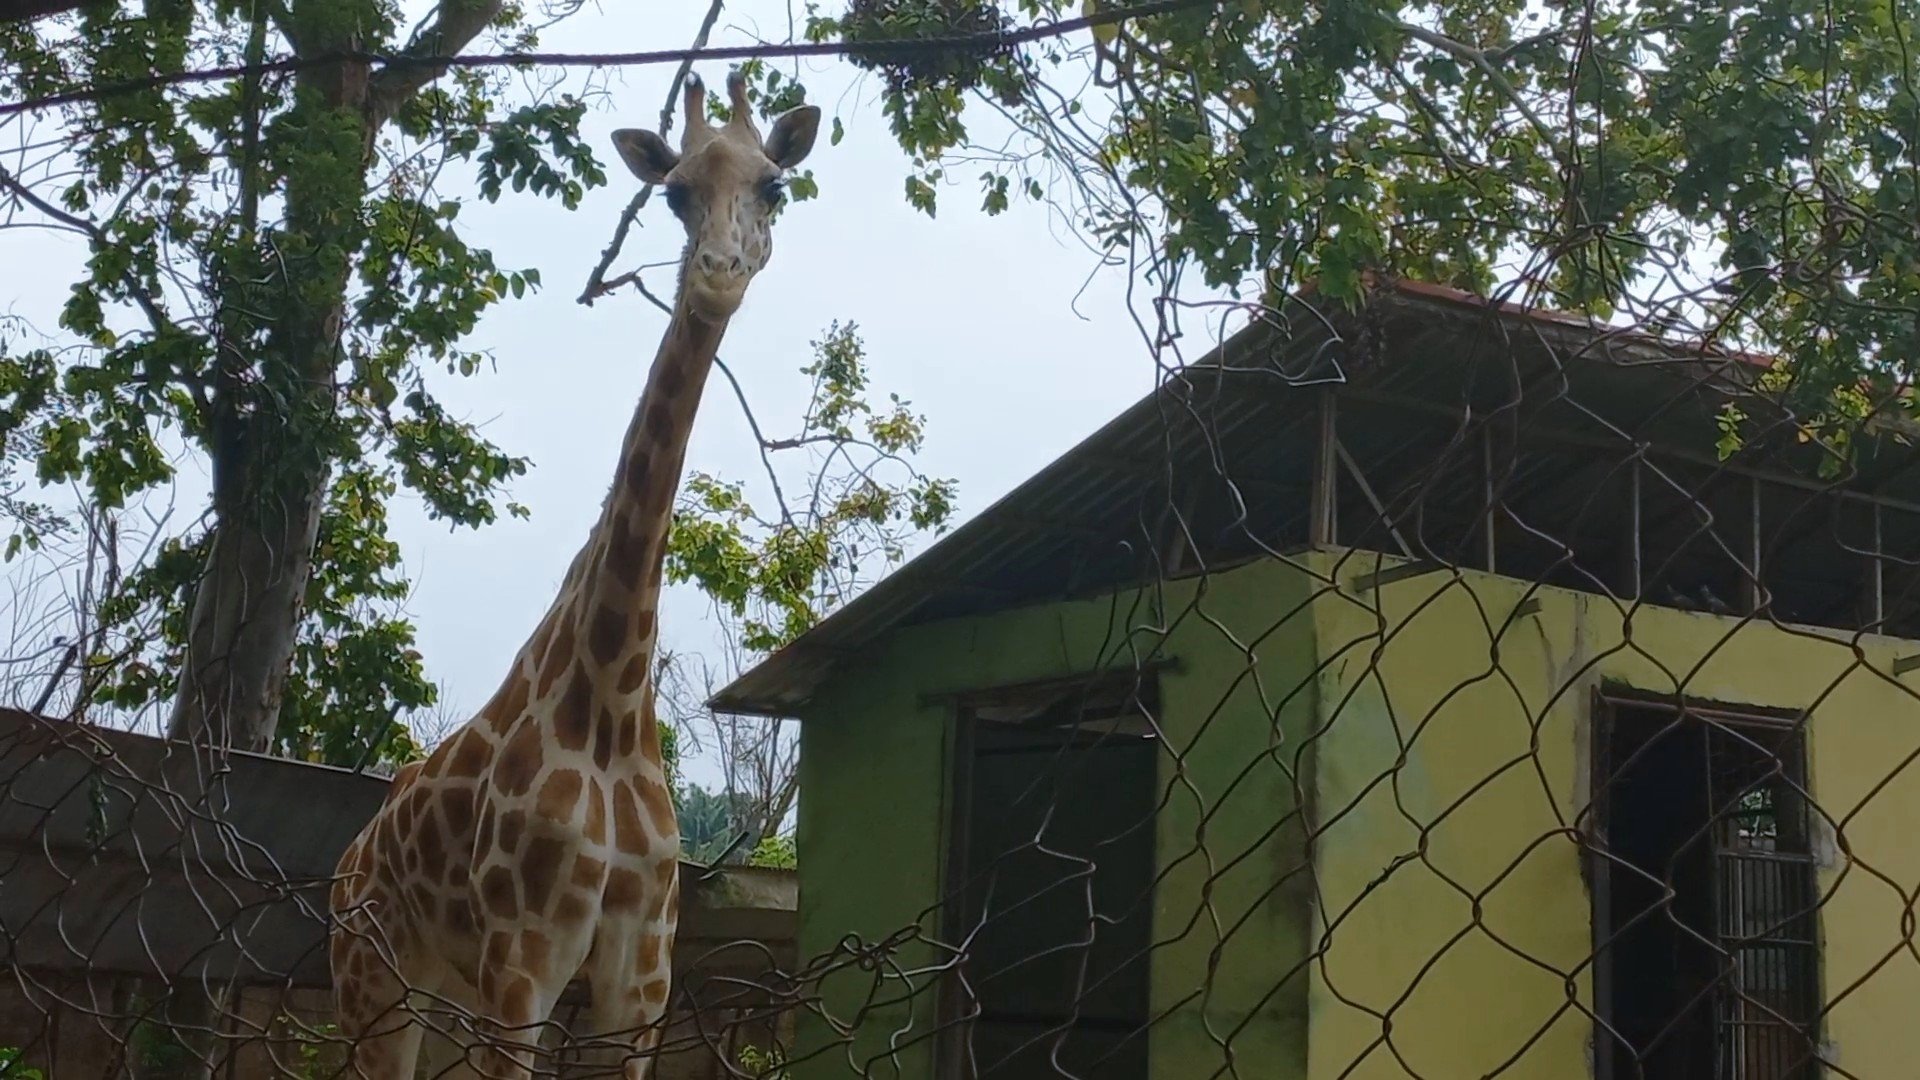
{"x":1366,"y":489}
{"x":1878,"y":575}
{"x":1624,"y":445}
{"x":1636,"y":546}
{"x":1752,"y":594}
{"x":1321,"y":525}
{"x":1492,"y":516}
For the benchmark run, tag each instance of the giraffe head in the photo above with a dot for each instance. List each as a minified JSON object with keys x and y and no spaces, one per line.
{"x":724,"y":185}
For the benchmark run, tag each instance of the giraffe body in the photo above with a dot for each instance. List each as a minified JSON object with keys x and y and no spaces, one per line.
{"x":538,"y":842}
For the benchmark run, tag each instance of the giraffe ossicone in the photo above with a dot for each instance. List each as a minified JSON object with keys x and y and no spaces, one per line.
{"x":537,"y":843}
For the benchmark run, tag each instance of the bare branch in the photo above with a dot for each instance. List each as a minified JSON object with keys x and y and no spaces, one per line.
{"x":597,"y":288}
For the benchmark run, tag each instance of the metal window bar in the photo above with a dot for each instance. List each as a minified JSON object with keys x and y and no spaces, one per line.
{"x":1764,"y":884}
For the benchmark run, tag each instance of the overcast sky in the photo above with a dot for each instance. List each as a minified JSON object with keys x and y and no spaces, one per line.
{"x":990,"y":326}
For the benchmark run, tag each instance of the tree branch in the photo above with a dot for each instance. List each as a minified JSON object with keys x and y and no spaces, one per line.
{"x":13,"y":11}
{"x":596,"y":287}
{"x":456,"y":23}
{"x":133,"y":286}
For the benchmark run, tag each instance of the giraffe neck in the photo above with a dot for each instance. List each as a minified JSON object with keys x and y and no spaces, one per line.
{"x":595,"y":647}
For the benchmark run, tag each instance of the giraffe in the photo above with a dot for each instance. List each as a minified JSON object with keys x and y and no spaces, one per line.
{"x":538,"y":842}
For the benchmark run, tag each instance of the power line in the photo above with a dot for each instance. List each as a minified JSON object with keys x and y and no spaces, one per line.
{"x":895,"y":46}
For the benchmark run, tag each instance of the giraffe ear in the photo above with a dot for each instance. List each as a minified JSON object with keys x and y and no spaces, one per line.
{"x":647,"y":154}
{"x":792,"y":136}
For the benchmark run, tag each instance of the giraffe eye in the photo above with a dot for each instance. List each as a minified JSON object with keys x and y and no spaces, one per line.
{"x":773,"y":191}
{"x":677,"y":196}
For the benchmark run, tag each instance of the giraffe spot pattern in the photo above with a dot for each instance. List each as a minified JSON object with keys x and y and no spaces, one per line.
{"x":571,"y":910}
{"x":512,"y":824}
{"x":540,"y":869}
{"x":651,"y":948}
{"x":519,"y":761}
{"x":536,"y":952}
{"x":595,"y":826}
{"x":639,"y":465}
{"x":608,"y":634}
{"x":508,"y":705}
{"x":628,"y":834}
{"x":623,"y":891}
{"x":433,"y":853}
{"x":635,"y":673}
{"x":603,"y":739}
{"x":626,"y":740}
{"x":497,"y":891}
{"x":560,"y":795}
{"x":658,"y":802}
{"x":469,"y":755}
{"x":557,"y":658}
{"x":573,"y":716}
{"x":457,"y":805}
{"x":588,"y":872}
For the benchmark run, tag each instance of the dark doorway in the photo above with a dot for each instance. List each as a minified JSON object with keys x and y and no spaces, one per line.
{"x":1704,"y":897}
{"x":1053,"y":863}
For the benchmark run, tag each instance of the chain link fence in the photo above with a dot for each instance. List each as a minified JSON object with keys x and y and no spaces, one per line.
{"x":1416,"y":691}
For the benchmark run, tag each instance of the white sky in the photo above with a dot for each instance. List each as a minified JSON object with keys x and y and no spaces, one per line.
{"x":987,"y":325}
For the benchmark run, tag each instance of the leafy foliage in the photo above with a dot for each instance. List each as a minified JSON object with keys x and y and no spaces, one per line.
{"x":774,"y":575}
{"x":275,"y":277}
{"x":1742,"y":173}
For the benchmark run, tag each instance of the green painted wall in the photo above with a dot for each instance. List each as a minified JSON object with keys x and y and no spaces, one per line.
{"x":1385,"y":717}
{"x":1493,"y":768}
{"x":1234,"y":897}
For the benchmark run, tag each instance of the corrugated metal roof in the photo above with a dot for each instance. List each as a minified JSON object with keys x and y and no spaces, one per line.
{"x":1233,"y":432}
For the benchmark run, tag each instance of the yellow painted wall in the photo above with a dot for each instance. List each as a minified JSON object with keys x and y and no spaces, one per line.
{"x":1462,"y":774}
{"x":1436,"y":776}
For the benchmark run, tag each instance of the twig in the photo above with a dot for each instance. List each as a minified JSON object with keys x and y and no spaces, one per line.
{"x":595,"y":287}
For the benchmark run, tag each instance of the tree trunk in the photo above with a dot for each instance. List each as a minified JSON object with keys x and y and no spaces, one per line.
{"x":246,"y":611}
{"x":274,"y":430}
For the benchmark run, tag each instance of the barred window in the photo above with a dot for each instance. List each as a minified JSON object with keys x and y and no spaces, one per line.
{"x":1705,"y":895}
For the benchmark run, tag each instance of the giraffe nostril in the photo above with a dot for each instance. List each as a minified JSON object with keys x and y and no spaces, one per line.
{"x":739,"y":266}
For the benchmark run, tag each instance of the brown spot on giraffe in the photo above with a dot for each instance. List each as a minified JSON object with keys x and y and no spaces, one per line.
{"x":509,"y":704}
{"x":573,"y":716}
{"x":656,"y":801}
{"x":456,"y":803}
{"x":469,"y":756}
{"x":639,"y":467}
{"x":570,"y":909}
{"x":604,"y":734}
{"x":558,"y":658}
{"x":635,"y":673}
{"x":512,"y":824}
{"x":623,"y":889}
{"x":594,"y":827}
{"x":483,"y":839}
{"x":433,"y":853}
{"x":625,"y":744}
{"x":560,"y":795}
{"x":520,"y":761}
{"x":588,"y":872}
{"x":536,"y":952}
{"x":499,"y":893}
{"x":629,"y":835}
{"x":651,"y":948}
{"x":608,"y":635}
{"x":442,"y":852}
{"x":540,"y":869}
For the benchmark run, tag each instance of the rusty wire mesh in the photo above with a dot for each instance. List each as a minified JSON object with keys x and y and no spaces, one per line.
{"x":1415,"y":691}
{"x":1427,"y":699}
